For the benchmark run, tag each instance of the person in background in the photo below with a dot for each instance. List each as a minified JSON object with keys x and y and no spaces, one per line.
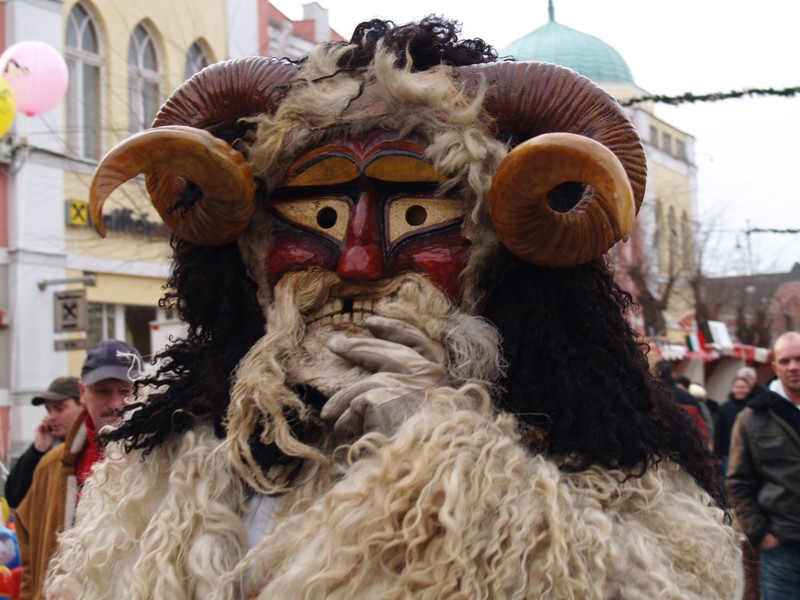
{"x":683,"y":382}
{"x":726,"y":416}
{"x":62,"y":401}
{"x":682,"y":397}
{"x":49,"y":506}
{"x":764,"y":477}
{"x":699,"y":393}
{"x":749,"y":375}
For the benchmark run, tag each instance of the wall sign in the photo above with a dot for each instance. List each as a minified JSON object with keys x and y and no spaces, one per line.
{"x":120,"y":220}
{"x":71,"y":311}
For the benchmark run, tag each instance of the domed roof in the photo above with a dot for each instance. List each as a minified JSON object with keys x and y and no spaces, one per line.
{"x":584,"y":53}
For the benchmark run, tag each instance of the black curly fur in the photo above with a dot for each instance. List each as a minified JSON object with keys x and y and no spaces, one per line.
{"x":430,"y":42}
{"x":577,"y":371}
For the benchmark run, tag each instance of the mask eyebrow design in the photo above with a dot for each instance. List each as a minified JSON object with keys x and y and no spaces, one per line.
{"x":337,"y":169}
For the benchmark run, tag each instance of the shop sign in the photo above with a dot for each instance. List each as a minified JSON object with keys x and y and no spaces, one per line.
{"x":120,"y":220}
{"x":71,"y":311}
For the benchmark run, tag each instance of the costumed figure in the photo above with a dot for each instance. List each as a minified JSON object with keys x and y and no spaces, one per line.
{"x":10,"y":569}
{"x":408,"y":371}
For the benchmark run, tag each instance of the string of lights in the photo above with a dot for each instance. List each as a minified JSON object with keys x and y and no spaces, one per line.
{"x":713,"y":97}
{"x":762,"y":230}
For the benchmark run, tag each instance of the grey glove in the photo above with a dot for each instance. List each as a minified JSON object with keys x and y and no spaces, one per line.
{"x":406,"y":363}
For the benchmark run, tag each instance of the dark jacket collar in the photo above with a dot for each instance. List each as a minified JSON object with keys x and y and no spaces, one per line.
{"x":780,"y":406}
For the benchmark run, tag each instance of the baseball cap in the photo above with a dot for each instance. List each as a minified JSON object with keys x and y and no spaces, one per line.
{"x":111,"y":359}
{"x":61,"y":388}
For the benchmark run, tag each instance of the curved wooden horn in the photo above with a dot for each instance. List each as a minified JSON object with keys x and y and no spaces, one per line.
{"x":214,"y":101}
{"x":226,"y":181}
{"x":529,"y":99}
{"x":526,"y":223}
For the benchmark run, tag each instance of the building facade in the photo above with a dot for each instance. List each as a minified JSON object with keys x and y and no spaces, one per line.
{"x":62,"y":288}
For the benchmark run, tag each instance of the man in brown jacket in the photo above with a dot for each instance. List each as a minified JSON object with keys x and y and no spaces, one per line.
{"x":49,"y":506}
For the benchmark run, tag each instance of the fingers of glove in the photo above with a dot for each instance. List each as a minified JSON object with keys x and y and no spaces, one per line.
{"x":340,"y":401}
{"x":401,"y":332}
{"x":379,"y":410}
{"x":373,"y":354}
{"x":378,"y":355}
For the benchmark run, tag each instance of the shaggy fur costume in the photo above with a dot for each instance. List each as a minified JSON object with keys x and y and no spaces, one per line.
{"x":463,"y":501}
{"x":451,"y":507}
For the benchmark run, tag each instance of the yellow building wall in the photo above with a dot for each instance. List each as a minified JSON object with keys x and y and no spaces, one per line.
{"x":175,"y":25}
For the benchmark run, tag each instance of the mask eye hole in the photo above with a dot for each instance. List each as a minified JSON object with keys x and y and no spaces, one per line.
{"x":416,"y":215}
{"x":327,"y":217}
{"x":409,"y":215}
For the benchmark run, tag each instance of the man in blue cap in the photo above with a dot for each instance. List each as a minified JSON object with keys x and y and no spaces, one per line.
{"x":49,"y":507}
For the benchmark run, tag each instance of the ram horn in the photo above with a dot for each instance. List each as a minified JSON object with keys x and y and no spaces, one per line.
{"x":527,"y":100}
{"x":219,"y":176}
{"x":198,"y":182}
{"x":531,"y":224}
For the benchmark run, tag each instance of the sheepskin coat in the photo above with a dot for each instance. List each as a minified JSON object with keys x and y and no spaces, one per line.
{"x":451,"y":506}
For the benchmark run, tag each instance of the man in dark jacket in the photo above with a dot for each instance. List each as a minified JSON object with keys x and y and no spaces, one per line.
{"x":62,"y":401}
{"x":741,"y":393}
{"x":764,"y":476}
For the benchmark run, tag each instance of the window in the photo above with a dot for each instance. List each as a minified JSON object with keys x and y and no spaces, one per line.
{"x":680,"y":149}
{"x":102,"y":323}
{"x":687,"y":243}
{"x":84,"y":62}
{"x":144,"y":80}
{"x":658,"y":237}
{"x":196,"y":60}
{"x":672,"y":231}
{"x":122,"y":322}
{"x":666,"y":143}
{"x":654,"y":136}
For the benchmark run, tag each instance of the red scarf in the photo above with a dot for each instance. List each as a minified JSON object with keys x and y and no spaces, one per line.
{"x":90,"y":454}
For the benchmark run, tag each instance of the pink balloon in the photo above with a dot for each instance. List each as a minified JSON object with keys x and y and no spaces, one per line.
{"x":37,"y":75}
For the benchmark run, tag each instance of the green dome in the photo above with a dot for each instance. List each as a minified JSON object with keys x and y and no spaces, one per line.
{"x":581,"y":52}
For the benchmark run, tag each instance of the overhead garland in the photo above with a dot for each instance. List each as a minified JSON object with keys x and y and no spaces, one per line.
{"x":761,"y":230}
{"x":689,"y":97}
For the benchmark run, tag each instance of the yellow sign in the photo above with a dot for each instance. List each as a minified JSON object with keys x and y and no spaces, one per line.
{"x":78,"y":213}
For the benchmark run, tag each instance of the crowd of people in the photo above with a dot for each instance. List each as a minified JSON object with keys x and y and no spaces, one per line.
{"x":755,"y":436}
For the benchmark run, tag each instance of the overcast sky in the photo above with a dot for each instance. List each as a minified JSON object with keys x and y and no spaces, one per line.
{"x":747,"y":149}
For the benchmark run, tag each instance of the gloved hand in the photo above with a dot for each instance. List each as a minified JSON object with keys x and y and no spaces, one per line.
{"x":406,"y":363}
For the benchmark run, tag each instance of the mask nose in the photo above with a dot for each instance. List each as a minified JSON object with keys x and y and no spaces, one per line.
{"x":362,"y":258}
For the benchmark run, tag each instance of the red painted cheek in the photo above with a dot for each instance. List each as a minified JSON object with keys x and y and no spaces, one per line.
{"x":292,"y":252}
{"x":440,"y":256}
